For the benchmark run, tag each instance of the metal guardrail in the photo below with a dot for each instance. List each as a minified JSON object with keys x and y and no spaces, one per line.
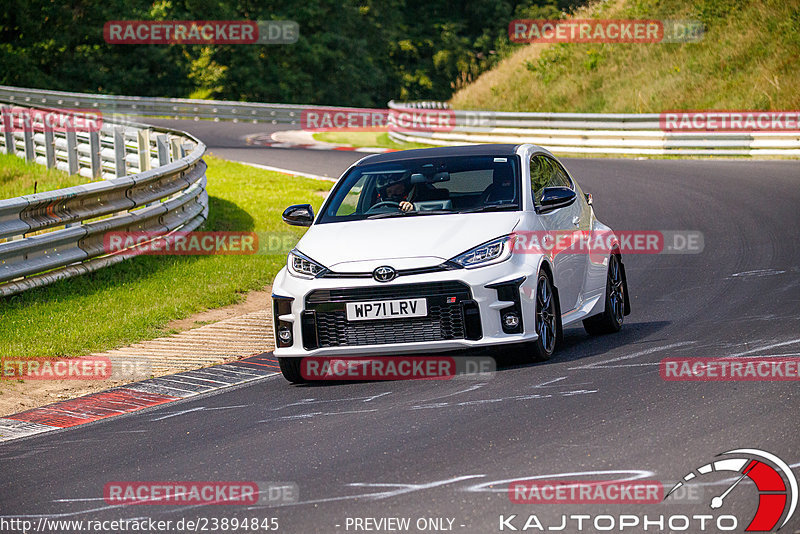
{"x":178,"y":108}
{"x":565,"y":133}
{"x":149,"y":180}
{"x":592,"y":133}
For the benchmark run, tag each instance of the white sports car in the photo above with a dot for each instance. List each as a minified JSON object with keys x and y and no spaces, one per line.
{"x":415,"y":252}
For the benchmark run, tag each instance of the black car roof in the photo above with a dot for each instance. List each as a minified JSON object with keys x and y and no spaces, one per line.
{"x":442,"y":152}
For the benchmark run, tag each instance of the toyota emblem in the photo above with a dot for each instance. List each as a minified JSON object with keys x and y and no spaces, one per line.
{"x":384,"y":274}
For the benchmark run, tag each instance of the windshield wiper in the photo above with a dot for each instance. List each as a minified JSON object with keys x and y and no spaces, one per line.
{"x":385,"y":215}
{"x":408,"y":213}
{"x":492,"y":207}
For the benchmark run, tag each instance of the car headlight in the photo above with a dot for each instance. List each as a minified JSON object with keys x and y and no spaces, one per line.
{"x":302,"y":266}
{"x":489,"y":253}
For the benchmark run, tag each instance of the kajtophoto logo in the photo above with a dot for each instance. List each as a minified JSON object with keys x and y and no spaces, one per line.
{"x":774,"y":481}
{"x":776,"y":484}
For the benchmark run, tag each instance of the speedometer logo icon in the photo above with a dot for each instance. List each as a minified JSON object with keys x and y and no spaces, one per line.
{"x":777,"y":485}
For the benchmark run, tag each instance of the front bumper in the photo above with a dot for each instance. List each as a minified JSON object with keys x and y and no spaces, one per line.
{"x":465,"y":310}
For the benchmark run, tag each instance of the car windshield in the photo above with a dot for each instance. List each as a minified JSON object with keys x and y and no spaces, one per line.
{"x":430,"y":186}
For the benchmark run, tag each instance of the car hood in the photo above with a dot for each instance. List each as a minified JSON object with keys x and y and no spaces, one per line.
{"x":402,"y":242}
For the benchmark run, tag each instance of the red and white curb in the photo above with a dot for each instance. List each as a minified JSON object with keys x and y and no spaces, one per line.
{"x":305,"y":140}
{"x":136,"y":396}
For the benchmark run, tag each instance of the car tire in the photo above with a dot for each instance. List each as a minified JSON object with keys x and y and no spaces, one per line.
{"x":290,"y":368}
{"x":547,"y":324}
{"x":610,"y":321}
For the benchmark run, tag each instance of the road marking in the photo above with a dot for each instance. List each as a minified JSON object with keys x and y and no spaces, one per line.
{"x":175,"y":414}
{"x":645,"y":352}
{"x":767,"y":347}
{"x":471,"y":388}
{"x":289,"y":171}
{"x":370,"y":399}
{"x":307,"y":402}
{"x":402,"y":489}
{"x":487,"y":487}
{"x":479,"y":401}
{"x":315,"y":414}
{"x":757,"y":273}
{"x":553,"y":381}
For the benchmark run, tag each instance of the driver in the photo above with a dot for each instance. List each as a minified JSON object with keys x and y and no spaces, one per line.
{"x":397,"y":191}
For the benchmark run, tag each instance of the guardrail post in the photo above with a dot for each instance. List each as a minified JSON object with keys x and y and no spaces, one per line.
{"x":144,"y":150}
{"x":121,"y":166}
{"x":94,"y":154}
{"x":49,"y":147}
{"x":176,"y":148}
{"x":72,"y":152}
{"x":8,"y":133}
{"x":162,"y":143}
{"x":27,"y":136}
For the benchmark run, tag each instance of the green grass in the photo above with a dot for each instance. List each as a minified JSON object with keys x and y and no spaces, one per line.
{"x":366,"y":139}
{"x":134,"y":300}
{"x":19,"y":177}
{"x":747,"y":60}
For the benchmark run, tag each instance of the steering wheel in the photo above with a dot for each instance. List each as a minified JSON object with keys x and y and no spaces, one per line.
{"x":389,"y":203}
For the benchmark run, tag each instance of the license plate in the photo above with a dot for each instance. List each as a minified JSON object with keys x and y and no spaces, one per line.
{"x":386,"y":309}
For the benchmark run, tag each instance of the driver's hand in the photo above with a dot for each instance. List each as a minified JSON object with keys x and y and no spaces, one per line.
{"x":406,"y":206}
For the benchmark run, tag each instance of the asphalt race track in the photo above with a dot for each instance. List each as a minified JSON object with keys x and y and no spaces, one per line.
{"x":447,"y":449}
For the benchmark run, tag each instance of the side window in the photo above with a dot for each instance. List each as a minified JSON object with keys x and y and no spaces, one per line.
{"x":352,"y":199}
{"x":541,"y":174}
{"x":560,"y":176}
{"x":546,"y":172}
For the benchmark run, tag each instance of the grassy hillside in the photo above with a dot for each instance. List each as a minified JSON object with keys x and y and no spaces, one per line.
{"x":748,"y":59}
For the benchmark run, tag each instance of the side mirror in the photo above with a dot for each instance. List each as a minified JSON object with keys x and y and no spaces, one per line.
{"x":299,"y":215}
{"x":588,"y":198}
{"x":554,"y":198}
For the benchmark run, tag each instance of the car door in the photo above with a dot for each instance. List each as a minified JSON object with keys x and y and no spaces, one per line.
{"x":569,"y":265}
{"x":584,"y":216}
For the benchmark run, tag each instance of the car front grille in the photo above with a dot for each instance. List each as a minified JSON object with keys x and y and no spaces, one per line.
{"x":325,"y":321}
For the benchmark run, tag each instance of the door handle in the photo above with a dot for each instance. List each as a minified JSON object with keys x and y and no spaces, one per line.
{"x":576,"y":221}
